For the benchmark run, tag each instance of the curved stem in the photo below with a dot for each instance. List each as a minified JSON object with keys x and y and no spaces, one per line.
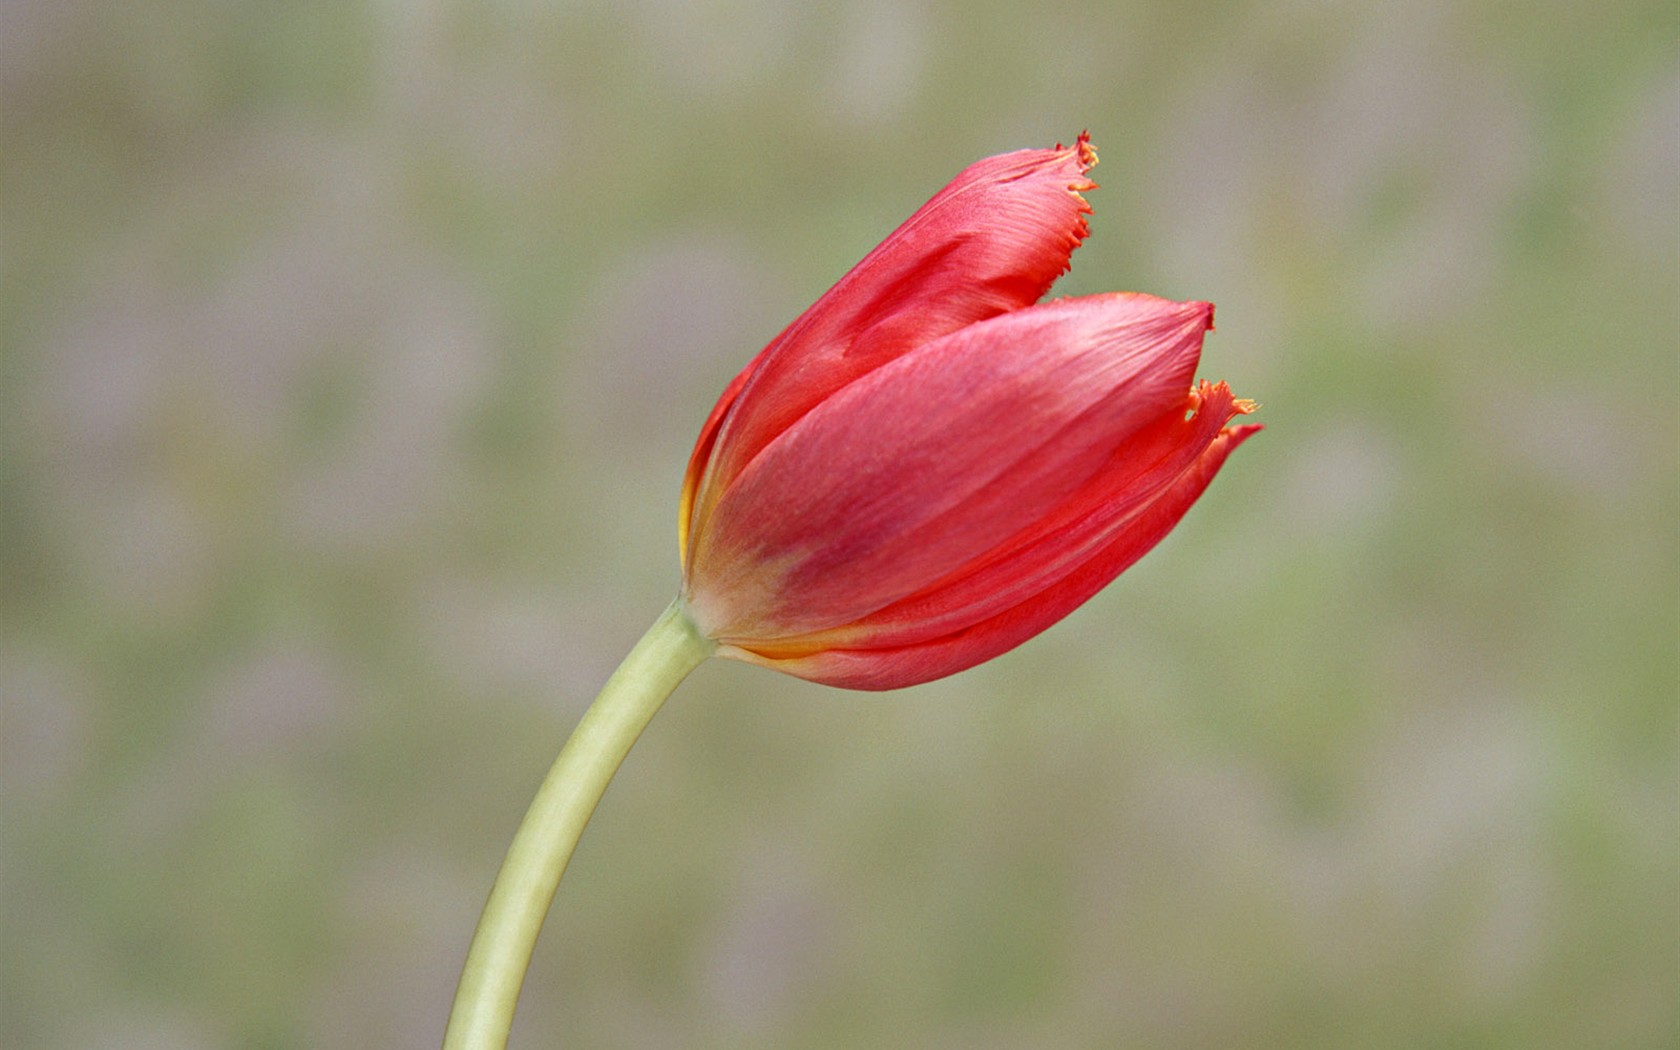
{"x":507,"y":931}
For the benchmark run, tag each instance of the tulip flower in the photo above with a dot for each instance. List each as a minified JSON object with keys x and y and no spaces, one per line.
{"x":925,"y":469}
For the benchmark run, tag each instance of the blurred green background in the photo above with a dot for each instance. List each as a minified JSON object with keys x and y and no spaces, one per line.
{"x":351,"y":357}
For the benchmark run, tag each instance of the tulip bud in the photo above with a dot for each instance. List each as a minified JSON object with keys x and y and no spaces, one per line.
{"x":929,"y":466}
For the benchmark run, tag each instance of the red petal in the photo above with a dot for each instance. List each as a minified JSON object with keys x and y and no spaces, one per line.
{"x":918,"y":469}
{"x":1151,"y":463}
{"x":892,"y":668}
{"x":992,"y":241}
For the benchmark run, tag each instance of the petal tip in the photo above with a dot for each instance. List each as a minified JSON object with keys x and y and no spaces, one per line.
{"x":1206,"y":390}
{"x":1235,"y":436}
{"x":1084,"y":157}
{"x":1086,"y":150}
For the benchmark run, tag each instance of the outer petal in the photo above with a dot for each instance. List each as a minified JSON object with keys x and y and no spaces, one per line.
{"x":925,"y":465}
{"x":992,"y":241}
{"x":893,"y":668}
{"x":1037,"y":558}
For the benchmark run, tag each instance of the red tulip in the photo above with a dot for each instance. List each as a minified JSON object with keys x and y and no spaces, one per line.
{"x":926,"y":468}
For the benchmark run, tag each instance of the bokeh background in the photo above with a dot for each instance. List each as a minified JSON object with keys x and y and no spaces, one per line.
{"x":349,"y":359}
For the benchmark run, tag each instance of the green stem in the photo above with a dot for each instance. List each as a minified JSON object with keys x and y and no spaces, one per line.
{"x":507,"y":931}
